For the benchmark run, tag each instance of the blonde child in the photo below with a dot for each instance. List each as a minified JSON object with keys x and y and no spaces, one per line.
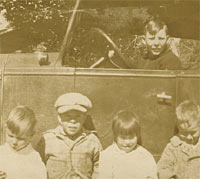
{"x":181,"y":157}
{"x":18,"y":160}
{"x":126,"y":158}
{"x":69,"y":150}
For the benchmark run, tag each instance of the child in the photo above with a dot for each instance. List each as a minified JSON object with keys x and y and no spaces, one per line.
{"x":181,"y":157}
{"x":18,"y":160}
{"x":158,"y":56}
{"x":126,"y":158}
{"x":69,"y":150}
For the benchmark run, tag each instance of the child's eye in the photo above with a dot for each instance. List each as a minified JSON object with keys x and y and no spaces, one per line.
{"x":10,"y":135}
{"x":182,"y":134}
{"x":66,"y":120}
{"x":161,"y":38}
{"x":20,"y":138}
{"x":151,"y":38}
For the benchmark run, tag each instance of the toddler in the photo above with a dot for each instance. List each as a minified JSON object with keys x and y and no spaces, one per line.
{"x":181,"y":157}
{"x":126,"y":158}
{"x":18,"y":160}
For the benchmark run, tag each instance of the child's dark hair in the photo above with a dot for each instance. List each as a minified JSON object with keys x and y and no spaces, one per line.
{"x":126,"y":123}
{"x":154,"y":25}
{"x":21,"y":121}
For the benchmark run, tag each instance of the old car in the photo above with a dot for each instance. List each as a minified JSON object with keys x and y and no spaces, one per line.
{"x":153,"y":94}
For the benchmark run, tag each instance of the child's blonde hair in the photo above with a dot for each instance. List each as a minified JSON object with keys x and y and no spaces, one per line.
{"x":187,"y":112}
{"x":21,"y":121}
{"x":126,"y":123}
{"x":154,"y":25}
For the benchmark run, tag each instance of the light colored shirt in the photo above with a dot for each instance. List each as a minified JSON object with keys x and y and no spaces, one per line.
{"x":117,"y":164}
{"x":180,"y":160}
{"x":23,"y":164}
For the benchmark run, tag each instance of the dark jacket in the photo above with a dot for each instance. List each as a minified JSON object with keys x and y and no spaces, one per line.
{"x":165,"y":61}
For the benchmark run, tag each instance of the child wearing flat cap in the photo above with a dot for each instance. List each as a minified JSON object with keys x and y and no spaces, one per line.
{"x":69,"y":150}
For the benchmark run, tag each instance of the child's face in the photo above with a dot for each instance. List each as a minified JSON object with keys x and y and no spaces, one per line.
{"x":156,"y":43}
{"x":18,"y":142}
{"x":189,"y":132}
{"x":72,"y":121}
{"x":127,"y":143}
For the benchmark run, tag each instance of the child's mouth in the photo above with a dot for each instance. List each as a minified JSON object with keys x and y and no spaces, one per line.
{"x":127,"y":147}
{"x":72,"y":128}
{"x":15,"y":147}
{"x":156,"y":50}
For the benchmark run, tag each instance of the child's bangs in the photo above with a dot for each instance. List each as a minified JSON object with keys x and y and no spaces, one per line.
{"x":21,"y":121}
{"x":126,"y":123}
{"x":126,"y":129}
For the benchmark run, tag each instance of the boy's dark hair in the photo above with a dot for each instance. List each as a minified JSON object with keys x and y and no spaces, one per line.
{"x":21,"y":121}
{"x":126,"y":123}
{"x":154,"y":25}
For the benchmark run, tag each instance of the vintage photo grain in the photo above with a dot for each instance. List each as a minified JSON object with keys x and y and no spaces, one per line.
{"x":99,"y":89}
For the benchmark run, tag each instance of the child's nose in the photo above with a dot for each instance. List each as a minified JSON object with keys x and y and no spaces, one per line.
{"x":189,"y":137}
{"x":15,"y":141}
{"x":156,"y":42}
{"x":127,"y":142}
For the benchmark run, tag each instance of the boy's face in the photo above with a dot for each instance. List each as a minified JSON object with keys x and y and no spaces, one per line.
{"x":18,"y":142}
{"x":156,"y":43}
{"x":126,"y":143}
{"x":72,"y":121}
{"x":189,"y":132}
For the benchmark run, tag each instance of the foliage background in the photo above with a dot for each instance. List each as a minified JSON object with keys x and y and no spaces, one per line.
{"x":43,"y":25}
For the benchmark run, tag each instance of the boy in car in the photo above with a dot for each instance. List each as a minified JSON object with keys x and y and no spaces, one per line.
{"x":158,"y":56}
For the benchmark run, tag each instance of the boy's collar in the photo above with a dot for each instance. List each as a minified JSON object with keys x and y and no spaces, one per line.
{"x":176,"y":141}
{"x":24,"y":151}
{"x":192,"y":151}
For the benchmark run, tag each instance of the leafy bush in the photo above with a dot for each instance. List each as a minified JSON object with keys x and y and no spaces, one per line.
{"x":39,"y":20}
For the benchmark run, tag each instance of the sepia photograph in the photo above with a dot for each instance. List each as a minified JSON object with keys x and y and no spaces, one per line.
{"x":99,"y":89}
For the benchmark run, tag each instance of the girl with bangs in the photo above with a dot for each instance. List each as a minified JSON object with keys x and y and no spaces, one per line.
{"x":126,"y":158}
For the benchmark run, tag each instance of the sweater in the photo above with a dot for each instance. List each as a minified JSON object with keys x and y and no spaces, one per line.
{"x":23,"y":164}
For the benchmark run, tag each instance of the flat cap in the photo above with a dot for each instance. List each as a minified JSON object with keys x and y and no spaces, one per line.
{"x":72,"y":101}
